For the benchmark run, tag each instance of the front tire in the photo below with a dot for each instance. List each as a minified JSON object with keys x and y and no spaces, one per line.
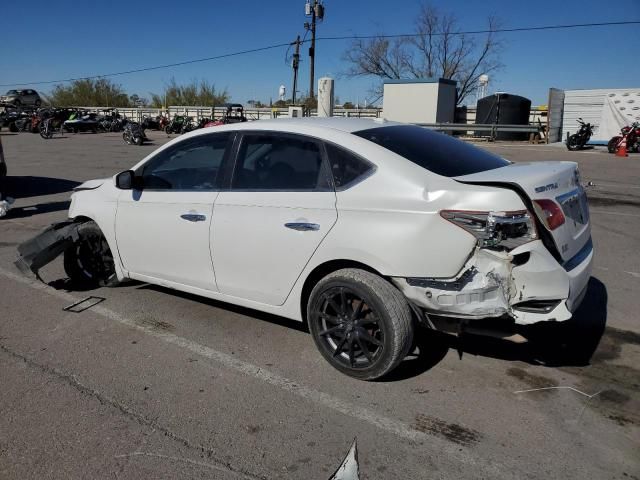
{"x":613,"y":144}
{"x":89,"y":262}
{"x":361,"y":324}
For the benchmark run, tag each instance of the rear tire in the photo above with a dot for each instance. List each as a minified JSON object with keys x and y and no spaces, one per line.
{"x":361,"y":324}
{"x":88,"y":262}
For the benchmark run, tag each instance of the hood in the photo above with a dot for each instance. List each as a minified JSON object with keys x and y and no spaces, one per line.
{"x":90,"y":184}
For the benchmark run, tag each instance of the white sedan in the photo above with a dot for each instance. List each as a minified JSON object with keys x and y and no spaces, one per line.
{"x":363,"y":229}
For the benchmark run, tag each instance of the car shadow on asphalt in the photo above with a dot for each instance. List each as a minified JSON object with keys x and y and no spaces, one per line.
{"x":30,"y":186}
{"x":554,"y":344}
{"x":31,"y":210}
{"x":267,"y":317}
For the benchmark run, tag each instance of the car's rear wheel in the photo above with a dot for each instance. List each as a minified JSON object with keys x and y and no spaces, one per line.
{"x":89,"y":262}
{"x":361,"y":324}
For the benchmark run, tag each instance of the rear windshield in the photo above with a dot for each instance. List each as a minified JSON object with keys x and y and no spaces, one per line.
{"x":436,"y":152}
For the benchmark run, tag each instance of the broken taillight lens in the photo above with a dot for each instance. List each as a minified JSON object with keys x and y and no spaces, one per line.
{"x":502,"y":230}
{"x":549,"y":212}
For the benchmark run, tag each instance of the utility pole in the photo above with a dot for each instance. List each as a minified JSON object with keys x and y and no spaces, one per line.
{"x":296,"y":64}
{"x":315,"y":10}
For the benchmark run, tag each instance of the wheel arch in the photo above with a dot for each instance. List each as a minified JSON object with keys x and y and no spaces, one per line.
{"x":321,"y":271}
{"x":109,"y":235}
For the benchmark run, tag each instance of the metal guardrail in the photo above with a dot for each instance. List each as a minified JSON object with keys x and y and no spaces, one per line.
{"x":482,"y":127}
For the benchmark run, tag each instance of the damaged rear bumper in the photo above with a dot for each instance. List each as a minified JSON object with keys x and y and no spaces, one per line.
{"x":42,"y":249}
{"x":527,"y":284}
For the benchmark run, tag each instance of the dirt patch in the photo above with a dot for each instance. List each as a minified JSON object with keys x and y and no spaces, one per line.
{"x":611,"y":344}
{"x":532,"y":380}
{"x":451,"y":431}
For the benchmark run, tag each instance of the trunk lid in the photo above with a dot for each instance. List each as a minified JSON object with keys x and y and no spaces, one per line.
{"x":557,"y":181}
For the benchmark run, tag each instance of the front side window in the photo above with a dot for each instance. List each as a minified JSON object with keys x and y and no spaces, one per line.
{"x":436,"y":152}
{"x":279,"y":162}
{"x":346,"y":167}
{"x":193,"y":164}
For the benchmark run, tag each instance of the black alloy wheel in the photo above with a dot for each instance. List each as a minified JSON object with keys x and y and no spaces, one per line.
{"x":361,"y":324}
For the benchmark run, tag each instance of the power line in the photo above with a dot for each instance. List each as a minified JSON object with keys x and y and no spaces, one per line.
{"x":476,"y":32}
{"x":345,"y":37}
{"x":158,"y":67}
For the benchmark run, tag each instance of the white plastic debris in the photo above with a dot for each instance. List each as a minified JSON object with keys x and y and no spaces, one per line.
{"x":349,"y":469}
{"x":5,"y":205}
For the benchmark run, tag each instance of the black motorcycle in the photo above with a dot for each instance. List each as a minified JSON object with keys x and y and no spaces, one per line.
{"x":578,"y":140}
{"x":133,"y":134}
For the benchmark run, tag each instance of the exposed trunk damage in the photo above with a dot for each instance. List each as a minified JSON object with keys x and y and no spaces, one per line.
{"x":46,"y":247}
{"x":483,"y":288}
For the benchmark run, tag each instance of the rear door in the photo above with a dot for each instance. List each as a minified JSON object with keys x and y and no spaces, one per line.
{"x":280,"y":206}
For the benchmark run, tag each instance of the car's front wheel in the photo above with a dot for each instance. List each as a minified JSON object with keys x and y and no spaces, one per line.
{"x":89,"y":262}
{"x":361,"y":324}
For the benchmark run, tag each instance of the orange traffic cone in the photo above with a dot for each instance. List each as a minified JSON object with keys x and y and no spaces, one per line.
{"x":622,"y":149}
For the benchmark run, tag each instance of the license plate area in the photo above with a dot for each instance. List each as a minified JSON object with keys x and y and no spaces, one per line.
{"x":575,"y":207}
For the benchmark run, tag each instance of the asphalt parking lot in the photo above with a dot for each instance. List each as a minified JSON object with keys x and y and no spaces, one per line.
{"x":153,"y":383}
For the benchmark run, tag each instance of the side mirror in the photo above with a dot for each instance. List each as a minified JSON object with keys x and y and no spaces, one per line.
{"x":125,"y":180}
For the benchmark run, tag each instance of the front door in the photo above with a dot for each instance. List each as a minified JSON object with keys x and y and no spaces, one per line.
{"x":280,"y":207}
{"x":162,"y":230}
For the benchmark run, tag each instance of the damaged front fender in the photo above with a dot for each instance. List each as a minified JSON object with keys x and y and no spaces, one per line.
{"x":45,"y":247}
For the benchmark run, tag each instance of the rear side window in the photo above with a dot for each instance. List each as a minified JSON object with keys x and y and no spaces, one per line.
{"x":436,"y":152}
{"x":346,"y":167}
{"x":279,"y":162}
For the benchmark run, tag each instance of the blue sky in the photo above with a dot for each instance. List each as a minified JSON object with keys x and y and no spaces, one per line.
{"x":62,"y":39}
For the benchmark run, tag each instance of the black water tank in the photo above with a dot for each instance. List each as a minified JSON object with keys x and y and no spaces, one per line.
{"x":504,"y":109}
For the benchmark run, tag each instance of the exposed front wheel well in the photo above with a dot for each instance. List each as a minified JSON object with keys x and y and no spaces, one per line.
{"x":322,"y":271}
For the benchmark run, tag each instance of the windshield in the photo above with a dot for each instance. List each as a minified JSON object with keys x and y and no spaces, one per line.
{"x":12,"y":92}
{"x":436,"y":152}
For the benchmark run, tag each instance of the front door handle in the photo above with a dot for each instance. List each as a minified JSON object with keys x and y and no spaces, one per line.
{"x":302,"y":226}
{"x":193,"y":217}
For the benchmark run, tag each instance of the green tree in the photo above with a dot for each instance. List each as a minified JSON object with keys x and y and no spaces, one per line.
{"x":195,"y":93}
{"x":89,"y":92}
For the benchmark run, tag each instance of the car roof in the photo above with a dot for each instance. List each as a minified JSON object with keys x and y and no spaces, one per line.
{"x":344,"y":124}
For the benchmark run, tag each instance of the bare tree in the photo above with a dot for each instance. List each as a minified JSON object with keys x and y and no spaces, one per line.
{"x":437,"y":49}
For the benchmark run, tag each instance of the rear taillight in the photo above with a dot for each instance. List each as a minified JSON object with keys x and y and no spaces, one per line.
{"x":506,"y":230}
{"x":549,"y":212}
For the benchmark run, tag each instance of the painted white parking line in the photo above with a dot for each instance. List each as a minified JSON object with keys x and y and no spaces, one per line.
{"x":390,"y":425}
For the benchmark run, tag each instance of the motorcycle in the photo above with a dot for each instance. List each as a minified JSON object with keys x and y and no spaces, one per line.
{"x":630,"y":134}
{"x":133,"y":134}
{"x":578,"y":140}
{"x":175,"y":125}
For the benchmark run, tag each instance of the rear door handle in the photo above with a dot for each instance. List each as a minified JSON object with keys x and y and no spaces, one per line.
{"x":302,"y":226}
{"x":193,"y":217}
